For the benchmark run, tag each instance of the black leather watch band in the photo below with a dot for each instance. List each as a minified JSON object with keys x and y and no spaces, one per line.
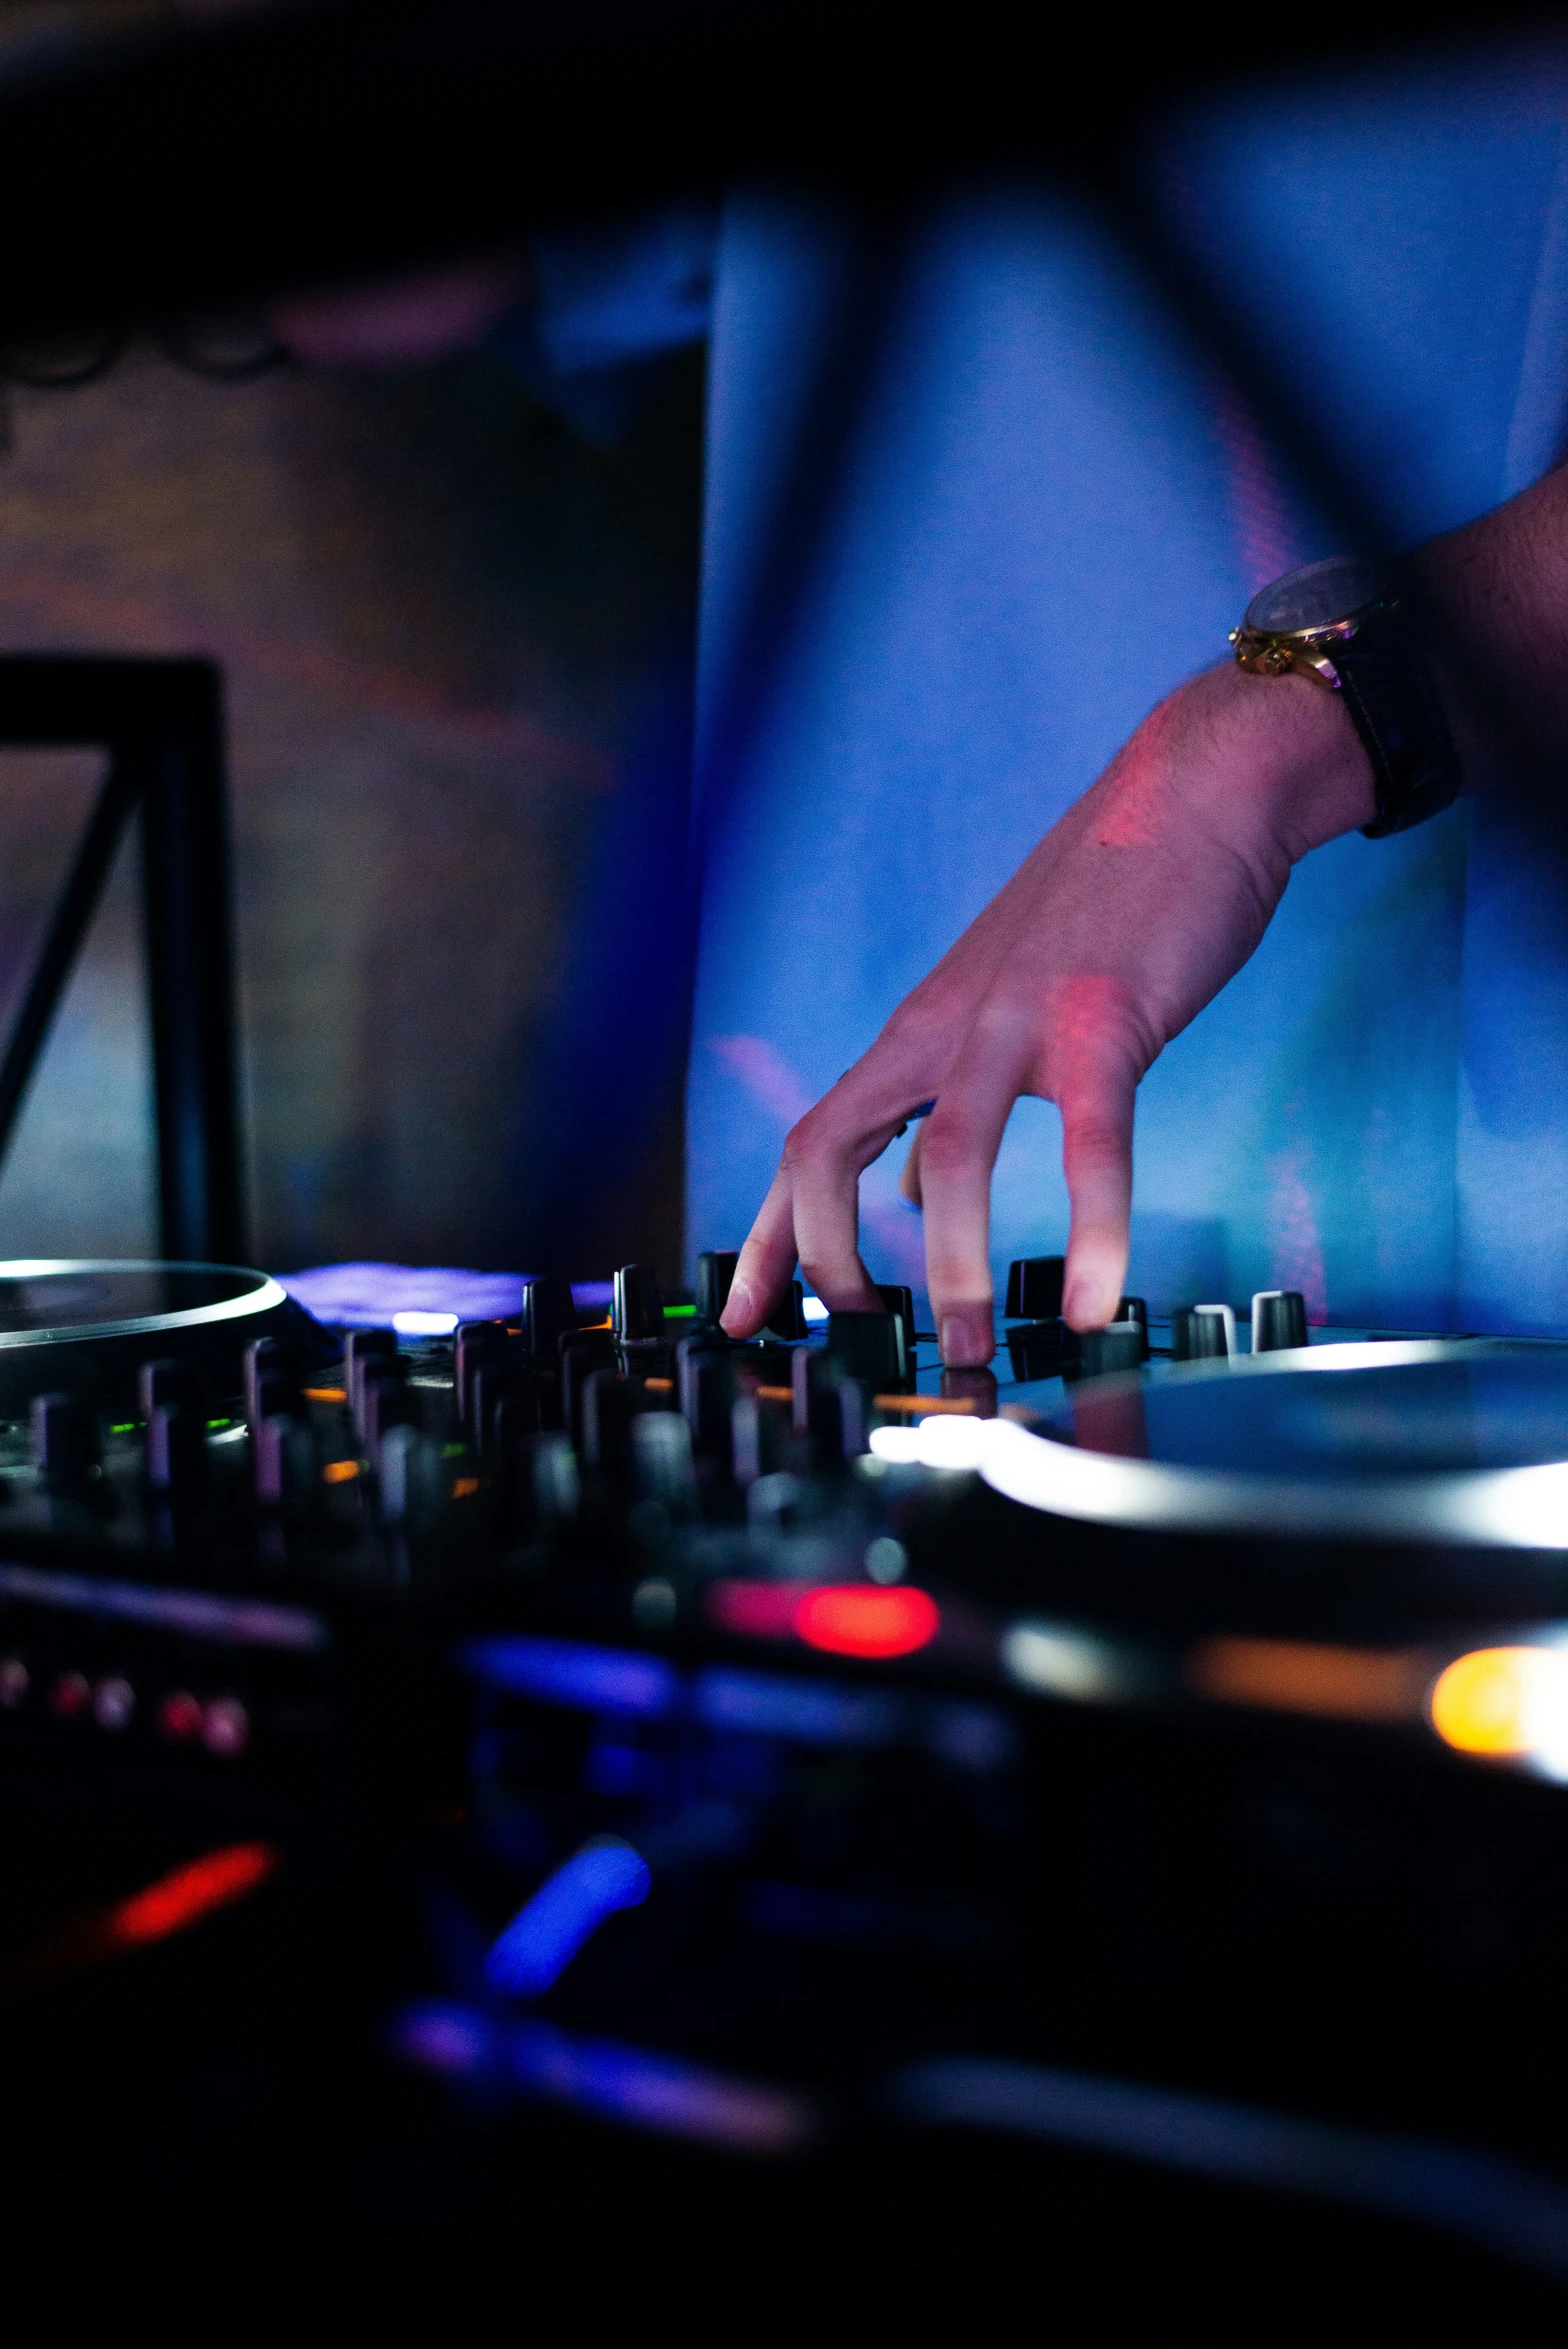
{"x":1389,"y":693}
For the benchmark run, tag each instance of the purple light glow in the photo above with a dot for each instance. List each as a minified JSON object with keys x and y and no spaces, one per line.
{"x":370,"y":1296}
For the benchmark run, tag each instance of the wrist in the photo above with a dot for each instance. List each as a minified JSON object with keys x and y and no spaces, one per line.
{"x":1289,"y":758}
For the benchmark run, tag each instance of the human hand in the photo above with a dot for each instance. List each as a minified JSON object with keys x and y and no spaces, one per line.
{"x":1128,"y":917}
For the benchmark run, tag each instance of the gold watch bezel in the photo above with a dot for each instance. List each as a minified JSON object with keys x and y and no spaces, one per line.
{"x":1305,"y":651}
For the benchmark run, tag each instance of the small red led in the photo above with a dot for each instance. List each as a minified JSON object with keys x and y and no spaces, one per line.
{"x":850,"y":1619}
{"x":756,"y":1610}
{"x":70,"y":1695}
{"x":180,"y":1715}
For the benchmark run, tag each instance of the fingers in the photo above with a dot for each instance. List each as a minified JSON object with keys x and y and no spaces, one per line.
{"x":766,"y":1262}
{"x":1097,"y":1115}
{"x":909,"y":1174}
{"x":957,"y":1153}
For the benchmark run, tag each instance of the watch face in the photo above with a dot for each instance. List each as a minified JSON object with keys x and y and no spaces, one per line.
{"x":1316,"y":596}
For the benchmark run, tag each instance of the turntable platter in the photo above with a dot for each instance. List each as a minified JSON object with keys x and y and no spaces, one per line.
{"x":89,"y":1324}
{"x":1451,"y":1442}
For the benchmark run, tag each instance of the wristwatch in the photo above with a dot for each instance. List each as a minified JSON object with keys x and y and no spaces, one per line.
{"x":1343,"y":622}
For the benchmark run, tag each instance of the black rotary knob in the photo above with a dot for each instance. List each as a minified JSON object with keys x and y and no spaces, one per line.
{"x":788,"y":1318}
{"x":870,"y":1346}
{"x":547,"y":1312}
{"x":638,"y":1309}
{"x":65,"y":1438}
{"x":175,"y":1449}
{"x":1034,"y":1289}
{"x":1279,"y":1320}
{"x":1121,"y":1346}
{"x":715,"y":1277}
{"x":1202,"y":1333}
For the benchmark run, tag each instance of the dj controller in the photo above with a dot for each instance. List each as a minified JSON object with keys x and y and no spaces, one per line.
{"x":783,"y":1808}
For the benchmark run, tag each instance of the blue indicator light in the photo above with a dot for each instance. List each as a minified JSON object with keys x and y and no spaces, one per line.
{"x":546,"y":1934}
{"x":564,"y":1672}
{"x":805,"y":1712}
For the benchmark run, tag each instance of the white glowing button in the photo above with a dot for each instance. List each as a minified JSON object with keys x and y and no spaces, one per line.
{"x":424,"y":1325}
{"x":951,"y":1442}
{"x":813,"y":1310}
{"x":1061,"y":1663}
{"x":901,"y":1444}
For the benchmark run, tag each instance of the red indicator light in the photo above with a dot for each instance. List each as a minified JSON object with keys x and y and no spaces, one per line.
{"x":180,"y":1715}
{"x":847,"y":1619}
{"x":756,"y":1610}
{"x":70,"y":1695}
{"x":187,"y":1894}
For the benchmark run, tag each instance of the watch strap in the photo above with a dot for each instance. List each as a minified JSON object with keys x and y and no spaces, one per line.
{"x":1388,"y":690}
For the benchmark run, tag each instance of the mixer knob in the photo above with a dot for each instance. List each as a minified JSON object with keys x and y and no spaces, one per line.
{"x":284,"y":1461}
{"x":830,"y":1404}
{"x":705,"y":1386}
{"x":476,"y":1342}
{"x":870,"y":1346}
{"x":638,"y":1310}
{"x":547,"y":1311}
{"x":610,"y":1404}
{"x":977,"y":1387}
{"x":762,"y":1440}
{"x":265,"y":1358}
{"x":175,"y":1449}
{"x":65,"y":1438}
{"x":662,"y":1461}
{"x":788,"y":1318}
{"x":1203,"y":1332}
{"x":901,"y":1304}
{"x":385,"y":1401}
{"x":583,"y":1352}
{"x":500,"y":1390}
{"x":410,"y":1482}
{"x":1135,"y":1309}
{"x":1034,"y":1289}
{"x":715,"y":1276}
{"x":1120,"y":1347}
{"x":1279,"y":1320}
{"x":167,"y":1381}
{"x":361,"y":1347}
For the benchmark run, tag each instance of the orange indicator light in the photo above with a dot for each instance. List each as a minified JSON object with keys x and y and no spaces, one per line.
{"x":464,"y":1488}
{"x":1502,"y":1701}
{"x":326,"y":1395}
{"x":340,"y":1472}
{"x":847,"y":1619}
{"x":926,"y":1406}
{"x":1300,"y":1676}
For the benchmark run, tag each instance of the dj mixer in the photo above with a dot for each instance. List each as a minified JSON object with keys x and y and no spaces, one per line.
{"x":1146,"y":1758}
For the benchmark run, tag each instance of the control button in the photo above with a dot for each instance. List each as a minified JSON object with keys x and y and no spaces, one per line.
{"x":976,"y":1387}
{"x":638,"y":1309}
{"x":1041,"y":1350}
{"x":1135,"y":1309}
{"x":500,"y":1386}
{"x":225,"y":1727}
{"x":788,"y":1318}
{"x":611,"y":1403}
{"x":114,"y":1704}
{"x":1279,"y":1320}
{"x":547,"y":1312}
{"x":70,"y":1696}
{"x":65,"y":1438}
{"x":762,"y":1439}
{"x":870,"y":1346}
{"x":385,"y":1401}
{"x":715,"y":1278}
{"x":270,"y":1365}
{"x":180,"y":1716}
{"x":15,"y":1681}
{"x":1034,"y":1289}
{"x":1202,"y":1333}
{"x":583,"y":1353}
{"x":175,"y":1449}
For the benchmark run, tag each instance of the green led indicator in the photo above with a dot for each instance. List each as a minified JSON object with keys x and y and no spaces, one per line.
{"x":679,"y":1312}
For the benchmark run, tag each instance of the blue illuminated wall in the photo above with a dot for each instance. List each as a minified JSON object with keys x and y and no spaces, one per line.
{"x":974,"y":504}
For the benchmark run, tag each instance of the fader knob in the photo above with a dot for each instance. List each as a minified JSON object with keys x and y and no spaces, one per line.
{"x":1136,"y":1310}
{"x":361,"y":1347}
{"x":475,"y":1342}
{"x":901,"y":1304}
{"x":715,"y":1276}
{"x":166,"y":1381}
{"x":384,"y":1402}
{"x":705,"y":1387}
{"x":1034,"y":1289}
{"x":65,"y":1438}
{"x":1279,"y":1320}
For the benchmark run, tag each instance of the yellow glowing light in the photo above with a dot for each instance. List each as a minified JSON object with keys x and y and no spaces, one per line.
{"x":1502,"y":1701}
{"x":340,"y":1472}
